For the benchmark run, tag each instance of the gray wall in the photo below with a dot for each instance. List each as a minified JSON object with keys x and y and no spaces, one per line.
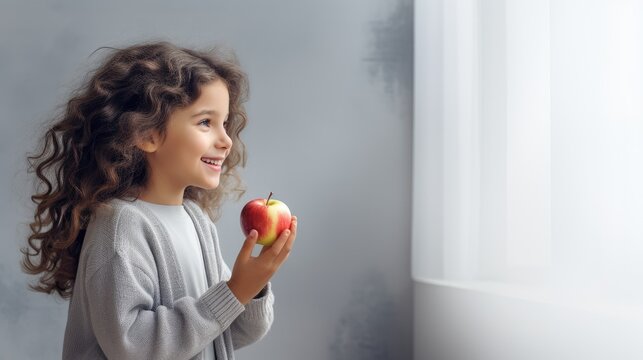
{"x":329,"y":134}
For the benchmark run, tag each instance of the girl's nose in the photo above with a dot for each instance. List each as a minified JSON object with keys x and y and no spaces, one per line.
{"x":223,"y":140}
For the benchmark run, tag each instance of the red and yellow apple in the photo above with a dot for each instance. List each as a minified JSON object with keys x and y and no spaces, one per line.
{"x":268,"y":216}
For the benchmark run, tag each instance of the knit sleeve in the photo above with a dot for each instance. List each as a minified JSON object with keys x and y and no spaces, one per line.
{"x":128,"y":326}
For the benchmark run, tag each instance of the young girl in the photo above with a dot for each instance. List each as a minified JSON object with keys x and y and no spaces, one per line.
{"x":134,"y":168}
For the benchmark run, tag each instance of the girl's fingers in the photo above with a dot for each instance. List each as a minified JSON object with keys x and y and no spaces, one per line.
{"x":279,"y":243}
{"x":264,"y":249}
{"x":285,"y":251}
{"x":283,"y":244}
{"x":293,"y":226}
{"x":248,"y":245}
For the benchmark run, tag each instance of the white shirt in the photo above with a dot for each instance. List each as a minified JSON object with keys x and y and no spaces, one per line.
{"x":185,"y":242}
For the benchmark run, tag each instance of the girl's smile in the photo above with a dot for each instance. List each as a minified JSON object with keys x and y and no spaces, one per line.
{"x":213,"y":163}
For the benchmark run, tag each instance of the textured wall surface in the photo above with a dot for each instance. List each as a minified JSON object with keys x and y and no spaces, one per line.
{"x":329,"y":134}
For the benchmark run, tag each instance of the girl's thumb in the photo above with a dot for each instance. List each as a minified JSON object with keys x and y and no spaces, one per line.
{"x":249,"y":244}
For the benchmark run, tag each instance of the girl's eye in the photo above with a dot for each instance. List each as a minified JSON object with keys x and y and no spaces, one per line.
{"x":205,"y":121}
{"x":226,"y":124}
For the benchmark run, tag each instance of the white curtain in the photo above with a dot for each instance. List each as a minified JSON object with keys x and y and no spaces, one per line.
{"x":528,"y":144}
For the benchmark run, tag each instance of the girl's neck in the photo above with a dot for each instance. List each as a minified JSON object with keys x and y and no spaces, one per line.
{"x":161,"y":200}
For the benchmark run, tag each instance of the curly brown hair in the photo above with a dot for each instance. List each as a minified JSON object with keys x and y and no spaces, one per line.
{"x":89,"y":154}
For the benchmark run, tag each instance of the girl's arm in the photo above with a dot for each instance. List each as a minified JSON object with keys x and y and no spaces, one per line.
{"x":257,"y":318}
{"x":120,"y":303}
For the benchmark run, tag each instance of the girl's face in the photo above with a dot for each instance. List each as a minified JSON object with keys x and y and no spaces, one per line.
{"x":196,"y":134}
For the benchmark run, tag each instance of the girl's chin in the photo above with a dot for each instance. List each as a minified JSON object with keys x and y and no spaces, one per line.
{"x":211,"y":186}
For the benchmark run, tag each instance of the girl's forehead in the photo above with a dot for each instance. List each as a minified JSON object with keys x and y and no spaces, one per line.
{"x":214,"y":96}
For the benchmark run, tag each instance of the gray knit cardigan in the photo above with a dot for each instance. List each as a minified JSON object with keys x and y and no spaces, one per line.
{"x":129,"y":301}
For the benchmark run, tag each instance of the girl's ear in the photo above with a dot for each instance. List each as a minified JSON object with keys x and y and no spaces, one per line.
{"x":147,"y":142}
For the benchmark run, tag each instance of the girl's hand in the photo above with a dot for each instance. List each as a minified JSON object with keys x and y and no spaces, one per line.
{"x":251,"y":274}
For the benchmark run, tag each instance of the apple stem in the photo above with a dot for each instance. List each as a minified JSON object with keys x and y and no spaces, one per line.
{"x":269,"y":196}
